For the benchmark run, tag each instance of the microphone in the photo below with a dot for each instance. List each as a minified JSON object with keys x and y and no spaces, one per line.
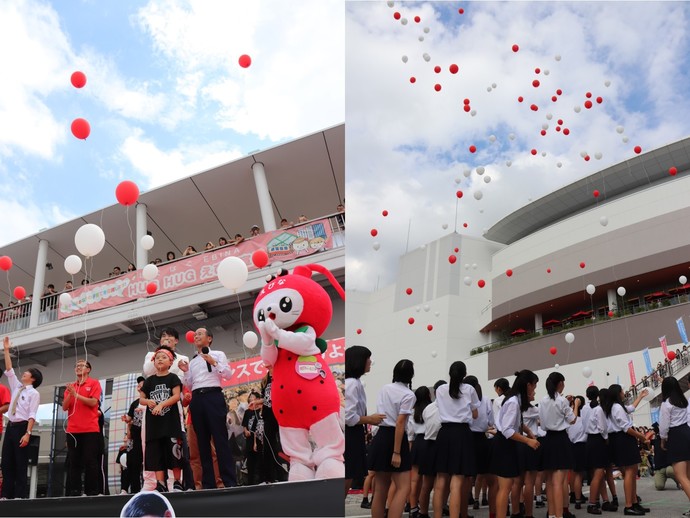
{"x":206,"y":350}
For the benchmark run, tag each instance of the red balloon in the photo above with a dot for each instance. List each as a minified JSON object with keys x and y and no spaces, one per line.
{"x":78,"y":79}
{"x":190,"y":336}
{"x":553,"y":350}
{"x":245,"y":61}
{"x":374,"y":232}
{"x":534,"y":151}
{"x":417,"y":19}
{"x":586,"y":158}
{"x":543,"y":133}
{"x":535,"y":83}
{"x":534,"y":108}
{"x":610,"y":314}
{"x":537,"y":70}
{"x":554,"y":98}
{"x":410,"y":320}
{"x":566,"y":131}
{"x":671,"y":355}
{"x":548,"y":270}
{"x":151,"y":288}
{"x":437,"y":69}
{"x":596,"y":193}
{"x":464,"y":225}
{"x":5,"y":262}
{"x":452,"y":259}
{"x":473,"y":148}
{"x":558,"y":128}
{"x":467,"y":108}
{"x":559,"y":92}
{"x":413,"y":79}
{"x":560,"y":121}
{"x":461,"y":11}
{"x":459,"y":194}
{"x":515,"y":48}
{"x":456,"y":250}
{"x":673,"y":171}
{"x":127,"y":193}
{"x":19,"y":293}
{"x":359,"y":331}
{"x":385,"y":213}
{"x":396,"y":15}
{"x":454,"y":69}
{"x":599,"y":100}
{"x":588,"y":95}
{"x":588,"y":104}
{"x":260,"y":258}
{"x":408,"y":291}
{"x":437,"y":87}
{"x":481,"y":283}
{"x":81,"y":128}
{"x":582,"y":265}
{"x":429,"y":327}
{"x":520,"y":99}
{"x":466,"y":101}
{"x":638,"y":149}
{"x":509,"y":272}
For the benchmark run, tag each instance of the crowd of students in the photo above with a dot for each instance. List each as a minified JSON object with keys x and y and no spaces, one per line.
{"x":462,"y":445}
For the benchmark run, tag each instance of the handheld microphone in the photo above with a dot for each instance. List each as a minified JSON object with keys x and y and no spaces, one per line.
{"x":206,"y":350}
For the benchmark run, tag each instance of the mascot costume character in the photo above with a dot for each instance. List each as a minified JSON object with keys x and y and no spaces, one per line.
{"x":290,"y":314}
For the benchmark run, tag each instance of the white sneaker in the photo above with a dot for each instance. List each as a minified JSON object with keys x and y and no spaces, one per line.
{"x":123,"y":492}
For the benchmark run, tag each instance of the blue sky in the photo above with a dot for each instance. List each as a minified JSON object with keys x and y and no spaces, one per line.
{"x":408,"y":145}
{"x":165,"y":95}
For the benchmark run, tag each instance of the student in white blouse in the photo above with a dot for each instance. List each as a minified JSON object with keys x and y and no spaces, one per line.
{"x":624,"y":446}
{"x":504,"y":459}
{"x":457,"y":406}
{"x":415,"y":434}
{"x":427,"y":467}
{"x":555,"y":415}
{"x":596,"y":429}
{"x":390,"y":453}
{"x":578,"y":439}
{"x":675,"y":432}
{"x":501,"y":386}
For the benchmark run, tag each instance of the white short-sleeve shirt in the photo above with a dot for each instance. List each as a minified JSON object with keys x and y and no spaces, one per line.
{"x":355,"y":401}
{"x":555,"y":414}
{"x":485,"y":417}
{"x":670,"y":416}
{"x":432,"y":422}
{"x":395,"y":399}
{"x":457,"y":410}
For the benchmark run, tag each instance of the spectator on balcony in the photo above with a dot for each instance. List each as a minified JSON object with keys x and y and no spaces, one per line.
{"x":190,"y":250}
{"x":237,"y":239}
{"x":302,"y":219}
{"x":284,"y":223}
{"x":157,"y":261}
{"x":116,"y":271}
{"x":222,"y":241}
{"x":49,"y":299}
{"x":131,"y":268}
{"x":84,"y":282}
{"x":68,"y":286}
{"x":340,"y":217}
{"x":255,"y":230}
{"x":684,"y":355}
{"x":170,"y":256}
{"x":645,"y":381}
{"x":209,"y":246}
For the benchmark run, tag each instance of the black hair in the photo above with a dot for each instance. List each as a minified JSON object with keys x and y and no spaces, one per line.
{"x":423,"y":395}
{"x":438,"y":384}
{"x":613,"y":396}
{"x":503,"y":384}
{"x":404,"y":372}
{"x":457,"y":372}
{"x":170,"y":331}
{"x":87,"y":363}
{"x":146,"y":504}
{"x":582,"y":401}
{"x":167,"y":256}
{"x":356,"y":358}
{"x":552,"y":383}
{"x":474,"y":383}
{"x":519,"y":388}
{"x":670,"y":389}
{"x":36,"y":375}
{"x":255,"y":394}
{"x":165,"y":348}
{"x":140,"y":379}
{"x":592,"y":394}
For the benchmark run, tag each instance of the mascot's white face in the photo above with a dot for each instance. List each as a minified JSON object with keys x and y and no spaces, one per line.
{"x":283,"y":306}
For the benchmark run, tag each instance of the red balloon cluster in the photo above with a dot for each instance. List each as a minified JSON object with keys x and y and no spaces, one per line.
{"x":78,"y":79}
{"x":19,"y":293}
{"x":151,"y":288}
{"x":5,"y":263}
{"x":127,"y":193}
{"x":81,"y":128}
{"x":260,"y":258}
{"x":190,"y":336}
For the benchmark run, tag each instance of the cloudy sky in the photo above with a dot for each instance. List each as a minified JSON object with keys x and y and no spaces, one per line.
{"x":408,"y":145}
{"x":165,"y":96}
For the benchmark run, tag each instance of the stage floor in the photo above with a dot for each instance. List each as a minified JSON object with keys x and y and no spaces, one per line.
{"x":308,"y":498}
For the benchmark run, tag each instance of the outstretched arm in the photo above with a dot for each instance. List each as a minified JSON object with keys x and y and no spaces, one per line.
{"x":6,"y":346}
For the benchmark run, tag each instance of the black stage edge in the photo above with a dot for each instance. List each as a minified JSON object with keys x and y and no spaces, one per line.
{"x":307,"y":498}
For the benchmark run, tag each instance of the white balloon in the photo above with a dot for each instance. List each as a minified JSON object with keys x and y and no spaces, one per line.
{"x":72,"y":264}
{"x":376,"y":245}
{"x":418,"y":309}
{"x":583,"y":154}
{"x":467,"y":266}
{"x":232,"y":272}
{"x":147,"y":242}
{"x":426,"y":57}
{"x":569,"y":337}
{"x":543,"y":153}
{"x":488,"y":88}
{"x":556,"y":366}
{"x":557,"y":57}
{"x":545,"y":126}
{"x":458,"y":180}
{"x":149,"y":272}
{"x":625,"y":140}
{"x":427,"y":307}
{"x":621,"y":291}
{"x":487,"y":179}
{"x":467,"y":173}
{"x":603,"y":221}
{"x":620,"y":129}
{"x":437,"y":313}
{"x":65,"y":300}
{"x":426,"y":30}
{"x":473,"y":113}
{"x":682,"y":279}
{"x":492,"y":138}
{"x":474,"y":266}
{"x":478,"y":195}
{"x":590,"y":289}
{"x":250,"y":339}
{"x":511,"y":136}
{"x":89,"y":239}
{"x":586,"y":372}
{"x":467,"y":281}
{"x":444,"y":226}
{"x":559,"y":164}
{"x":509,"y":163}
{"x":390,"y":3}
{"x":404,"y":59}
{"x":607,"y":83}
{"x":546,"y":72}
{"x":577,"y":109}
{"x":480,"y":170}
{"x":598,"y":155}
{"x":434,"y":354}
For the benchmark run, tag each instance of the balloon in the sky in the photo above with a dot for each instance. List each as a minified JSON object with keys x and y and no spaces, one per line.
{"x":245,"y":61}
{"x":89,"y":240}
{"x":569,"y":338}
{"x":127,"y":193}
{"x":78,"y":79}
{"x":81,"y":128}
{"x":72,"y":264}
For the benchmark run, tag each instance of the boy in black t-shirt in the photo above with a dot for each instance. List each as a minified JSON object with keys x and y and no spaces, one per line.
{"x":163,"y":432}
{"x":135,"y":458}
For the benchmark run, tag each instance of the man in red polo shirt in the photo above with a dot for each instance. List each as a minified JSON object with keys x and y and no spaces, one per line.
{"x":83,"y":433}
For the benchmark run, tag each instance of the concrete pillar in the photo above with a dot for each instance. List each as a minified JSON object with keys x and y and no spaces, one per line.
{"x":537,"y":322}
{"x":612,"y":299}
{"x":39,"y":281}
{"x":142,"y":255}
{"x":267,"y":218}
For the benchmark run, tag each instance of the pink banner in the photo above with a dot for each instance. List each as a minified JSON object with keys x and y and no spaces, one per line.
{"x":252,"y":369}
{"x":631,"y":368}
{"x":281,"y":245}
{"x":664,"y":345}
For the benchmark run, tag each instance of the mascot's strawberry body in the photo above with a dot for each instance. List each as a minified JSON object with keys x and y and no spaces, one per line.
{"x":290,"y":313}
